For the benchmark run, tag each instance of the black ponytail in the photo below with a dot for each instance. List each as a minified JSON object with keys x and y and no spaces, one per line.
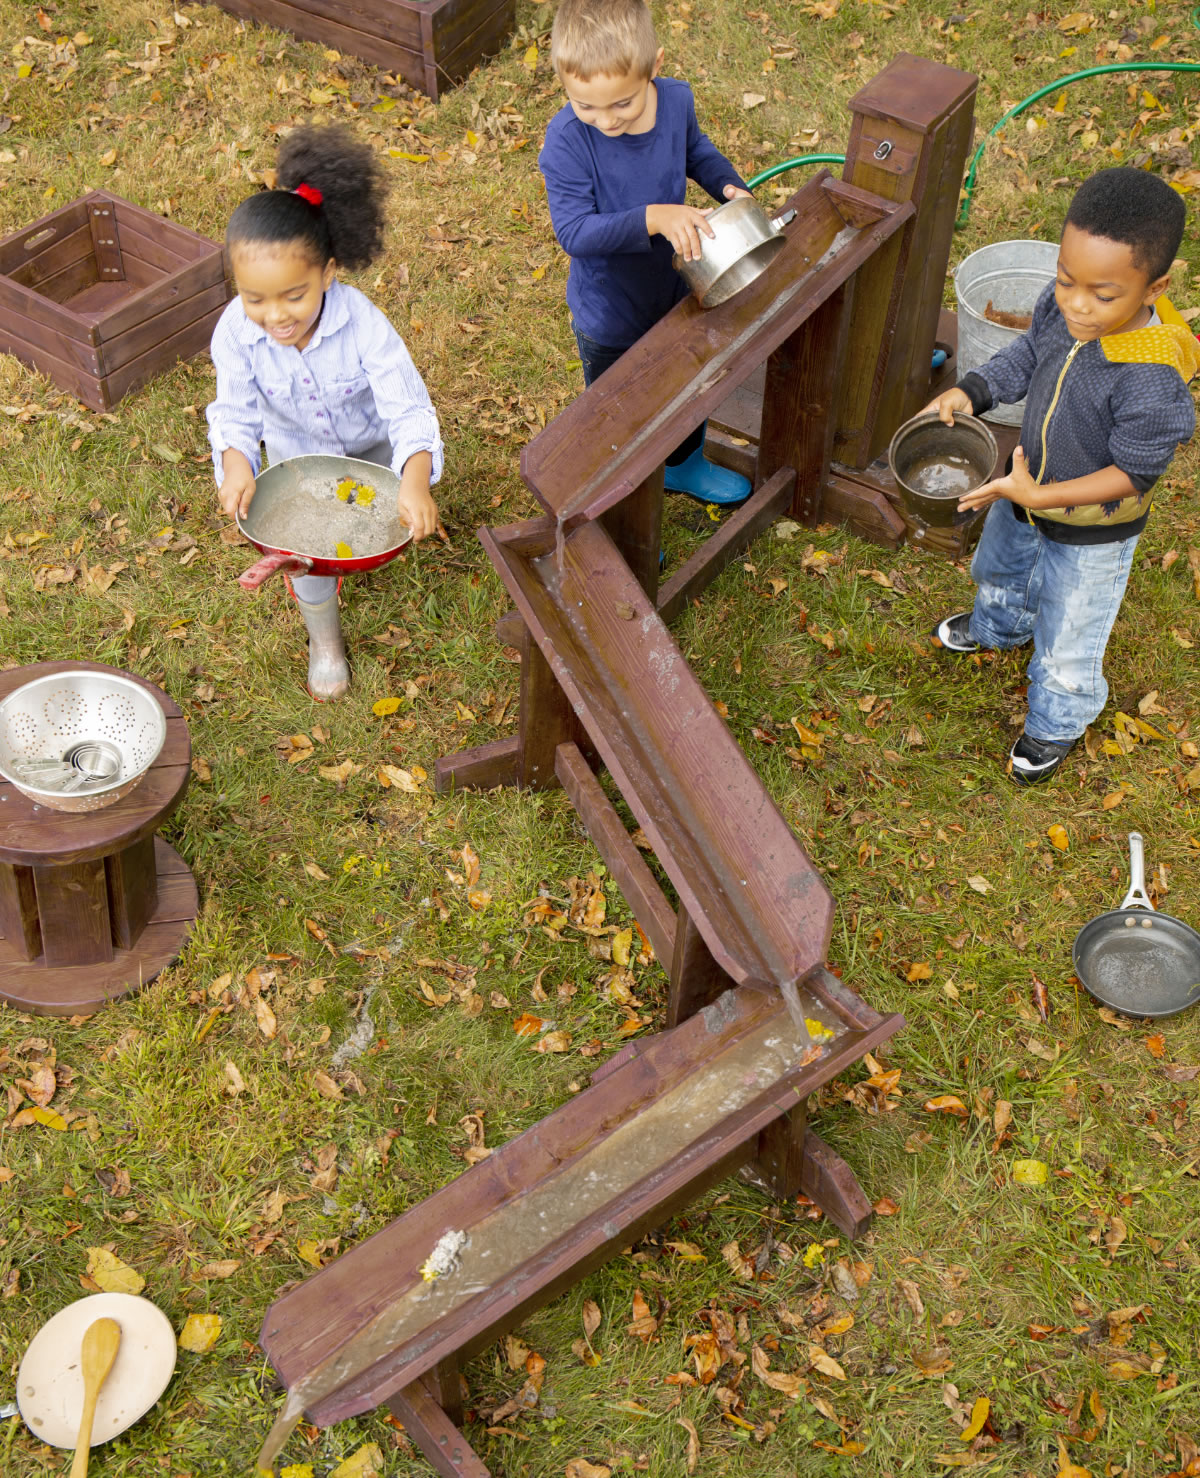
{"x":348,"y":223}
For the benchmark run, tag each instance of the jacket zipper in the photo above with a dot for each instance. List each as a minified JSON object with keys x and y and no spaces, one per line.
{"x":1062,"y":374}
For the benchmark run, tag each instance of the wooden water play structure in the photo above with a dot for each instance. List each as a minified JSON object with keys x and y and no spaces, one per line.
{"x":825,"y":354}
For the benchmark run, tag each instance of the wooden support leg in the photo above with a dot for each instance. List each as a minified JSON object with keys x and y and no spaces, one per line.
{"x":829,"y":1182}
{"x":635,"y":527}
{"x":779,"y":1165}
{"x":435,"y":1434}
{"x":18,"y":911}
{"x":696,"y":978}
{"x":73,"y":908}
{"x":547,"y":720}
{"x":801,"y":390}
{"x":132,"y":879}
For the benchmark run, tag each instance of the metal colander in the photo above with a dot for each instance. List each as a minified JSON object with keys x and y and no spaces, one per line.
{"x":78,"y":741}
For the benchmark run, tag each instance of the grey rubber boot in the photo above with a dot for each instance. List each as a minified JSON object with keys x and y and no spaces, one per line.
{"x":328,"y":670}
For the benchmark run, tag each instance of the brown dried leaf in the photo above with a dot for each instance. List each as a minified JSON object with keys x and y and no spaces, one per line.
{"x":644,"y":1325}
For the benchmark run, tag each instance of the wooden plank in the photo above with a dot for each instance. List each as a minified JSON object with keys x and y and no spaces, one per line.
{"x":18,"y":911}
{"x":190,"y":340}
{"x":482,"y":768}
{"x":14,"y":250}
{"x":844,"y":499}
{"x":63,"y":255}
{"x":688,"y":363}
{"x":21,"y":307}
{"x":34,"y":342}
{"x":779,"y":1162}
{"x":186,"y":245}
{"x":65,"y":374}
{"x":634,"y":878}
{"x":391,"y":53}
{"x":803,"y":378}
{"x":826,"y":1179}
{"x":145,"y":245}
{"x":162,"y":327}
{"x":546,"y":721}
{"x":163,"y":296}
{"x":105,"y":247}
{"x":734,"y":862}
{"x":308,"y":1324}
{"x":696,"y":978}
{"x":480,"y":31}
{"x":435,"y":1433}
{"x":131,"y":876}
{"x":635,"y":527}
{"x":73,"y":913}
{"x":757,"y":513}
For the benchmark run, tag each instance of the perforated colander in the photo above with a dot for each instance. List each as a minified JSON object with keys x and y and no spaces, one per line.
{"x":78,"y":741}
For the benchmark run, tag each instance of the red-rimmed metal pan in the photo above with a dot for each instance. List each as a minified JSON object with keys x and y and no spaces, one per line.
{"x":1135,"y":959}
{"x":296,"y":519}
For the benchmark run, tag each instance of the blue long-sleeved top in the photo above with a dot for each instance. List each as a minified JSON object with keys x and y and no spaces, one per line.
{"x":351,"y":387}
{"x":621,"y":280}
{"x":1084,"y":412}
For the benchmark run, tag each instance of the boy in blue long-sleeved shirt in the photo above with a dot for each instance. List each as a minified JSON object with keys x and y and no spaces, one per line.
{"x":1103,"y":368}
{"x":616,"y":161}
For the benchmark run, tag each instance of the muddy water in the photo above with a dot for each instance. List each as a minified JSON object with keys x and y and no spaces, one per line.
{"x":649,"y":1139}
{"x":946,"y":475}
{"x":311,"y":520}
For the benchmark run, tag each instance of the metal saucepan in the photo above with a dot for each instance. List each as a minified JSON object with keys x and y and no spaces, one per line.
{"x":935,"y":465}
{"x":1135,"y":959}
{"x":297,"y":518}
{"x":744,"y":241}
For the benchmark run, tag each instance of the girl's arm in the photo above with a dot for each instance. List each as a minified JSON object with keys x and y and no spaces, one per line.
{"x":404,"y":406}
{"x":235,"y":421}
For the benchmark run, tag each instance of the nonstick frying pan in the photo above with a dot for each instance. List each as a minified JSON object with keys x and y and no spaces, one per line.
{"x":296,"y":519}
{"x":1135,"y":959}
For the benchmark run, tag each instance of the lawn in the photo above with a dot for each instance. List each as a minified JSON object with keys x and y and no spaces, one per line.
{"x":338,"y":1039}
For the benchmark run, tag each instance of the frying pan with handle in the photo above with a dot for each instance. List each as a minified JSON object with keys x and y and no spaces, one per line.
{"x":1135,"y":959}
{"x":296,"y":519}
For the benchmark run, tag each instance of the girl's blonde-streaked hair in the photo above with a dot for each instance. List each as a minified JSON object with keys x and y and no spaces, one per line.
{"x":603,"y":37}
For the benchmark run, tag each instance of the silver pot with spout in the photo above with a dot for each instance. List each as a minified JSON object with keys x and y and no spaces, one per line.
{"x":744,"y":241}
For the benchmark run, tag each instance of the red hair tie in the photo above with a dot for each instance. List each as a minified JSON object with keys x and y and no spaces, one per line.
{"x":309,"y":193}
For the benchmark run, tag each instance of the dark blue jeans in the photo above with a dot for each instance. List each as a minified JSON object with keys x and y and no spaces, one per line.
{"x":596,"y":358}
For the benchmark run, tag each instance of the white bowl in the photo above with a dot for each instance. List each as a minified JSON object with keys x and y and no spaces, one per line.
{"x":73,"y":716}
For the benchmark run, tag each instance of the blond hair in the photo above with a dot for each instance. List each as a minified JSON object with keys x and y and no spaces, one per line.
{"x":603,"y":37}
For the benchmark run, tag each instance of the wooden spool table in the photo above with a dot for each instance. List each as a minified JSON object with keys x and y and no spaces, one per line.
{"x":93,"y":905}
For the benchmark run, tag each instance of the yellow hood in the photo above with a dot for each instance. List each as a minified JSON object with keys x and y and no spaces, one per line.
{"x":1170,"y":342}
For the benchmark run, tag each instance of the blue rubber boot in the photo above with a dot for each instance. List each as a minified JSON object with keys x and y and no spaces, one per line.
{"x":705,"y":481}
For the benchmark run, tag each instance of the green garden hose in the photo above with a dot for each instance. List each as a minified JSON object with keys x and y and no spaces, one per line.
{"x":973,"y":168}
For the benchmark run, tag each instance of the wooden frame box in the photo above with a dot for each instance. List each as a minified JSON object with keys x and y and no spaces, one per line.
{"x":102,"y":295}
{"x":432,"y":44}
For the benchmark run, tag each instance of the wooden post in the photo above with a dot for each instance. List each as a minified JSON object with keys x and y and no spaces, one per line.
{"x":696,"y":978}
{"x":635,"y":527}
{"x":912,"y":129}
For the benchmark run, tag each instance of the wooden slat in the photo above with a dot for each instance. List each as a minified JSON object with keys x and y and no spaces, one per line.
{"x":18,"y":911}
{"x":307,"y":1324}
{"x":696,"y":977}
{"x":675,"y":370}
{"x":131,"y":876}
{"x":156,"y":332}
{"x":435,"y":1433}
{"x":478,"y":29}
{"x":73,"y":912}
{"x":106,"y":248}
{"x":734,"y":862}
{"x":190,"y":340}
{"x":621,"y":857}
{"x":391,"y":52}
{"x":63,"y":222}
{"x":35,"y":342}
{"x":163,"y":296}
{"x":482,"y":768}
{"x":21,"y":307}
{"x":185,"y":245}
{"x":768,"y":503}
{"x":56,"y":261}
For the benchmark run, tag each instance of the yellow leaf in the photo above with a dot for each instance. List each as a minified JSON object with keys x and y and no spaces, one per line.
{"x":393,"y":775}
{"x":384,"y":105}
{"x":1159,"y":42}
{"x":1066,"y":1468}
{"x":979,"y":1415}
{"x":48,"y":1117}
{"x":297,"y":1470}
{"x":367,"y":1462}
{"x":307,"y":1251}
{"x":1112,"y":800}
{"x":384,"y":706}
{"x":621,"y":945}
{"x":1123,"y":1370}
{"x":1030,"y":1172}
{"x":1058,"y":837}
{"x":472,"y":139}
{"x":200,"y":1333}
{"x":412,"y":158}
{"x":826,"y":1364}
{"x":81,"y":38}
{"x":321,"y":97}
{"x":314,"y":871}
{"x":1060,"y":102}
{"x":530,"y":59}
{"x":339,"y":772}
{"x":111,"y":1274}
{"x":343,"y":550}
{"x":946,"y":1103}
{"x":24,"y":70}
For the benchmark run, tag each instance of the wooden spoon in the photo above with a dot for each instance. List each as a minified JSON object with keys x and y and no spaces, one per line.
{"x":101,"y":1340}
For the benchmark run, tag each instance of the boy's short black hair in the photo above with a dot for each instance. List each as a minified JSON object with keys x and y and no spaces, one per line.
{"x":1134,"y":207}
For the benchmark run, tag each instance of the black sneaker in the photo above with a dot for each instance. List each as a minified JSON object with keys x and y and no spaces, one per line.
{"x":954,"y":633}
{"x":1034,"y":760}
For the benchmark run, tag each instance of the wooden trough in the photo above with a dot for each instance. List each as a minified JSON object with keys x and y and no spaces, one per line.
{"x":432,"y":44}
{"x":842,"y":326}
{"x":101,"y":295}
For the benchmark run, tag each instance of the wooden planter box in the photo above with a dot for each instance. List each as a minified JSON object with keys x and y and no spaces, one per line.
{"x":432,"y":44}
{"x":103,"y":295}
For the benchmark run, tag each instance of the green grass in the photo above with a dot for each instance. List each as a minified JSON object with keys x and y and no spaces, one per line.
{"x":897,"y":822}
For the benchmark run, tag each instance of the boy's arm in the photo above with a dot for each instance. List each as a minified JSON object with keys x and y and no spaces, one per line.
{"x":705,"y":162}
{"x":1108,"y":485}
{"x":582,"y":230}
{"x":1005,"y":378}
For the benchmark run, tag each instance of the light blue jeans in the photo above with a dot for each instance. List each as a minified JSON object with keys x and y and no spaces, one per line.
{"x":315,"y":590}
{"x":1066,"y":597}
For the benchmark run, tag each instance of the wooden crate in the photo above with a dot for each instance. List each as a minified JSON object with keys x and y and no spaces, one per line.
{"x":432,"y":44}
{"x":101,"y":295}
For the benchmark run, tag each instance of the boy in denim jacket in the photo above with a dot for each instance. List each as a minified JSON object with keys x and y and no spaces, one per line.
{"x":1104,"y":367}
{"x":616,"y":161}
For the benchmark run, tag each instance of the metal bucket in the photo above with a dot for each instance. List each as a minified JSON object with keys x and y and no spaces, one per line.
{"x":934,"y":465}
{"x":1010,"y":275}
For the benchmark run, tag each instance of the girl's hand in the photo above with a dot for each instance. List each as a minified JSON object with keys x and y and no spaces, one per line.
{"x":1017,"y":487}
{"x":418,"y":510}
{"x":947,"y":403}
{"x":237,"y":485}
{"x":682,"y":225}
